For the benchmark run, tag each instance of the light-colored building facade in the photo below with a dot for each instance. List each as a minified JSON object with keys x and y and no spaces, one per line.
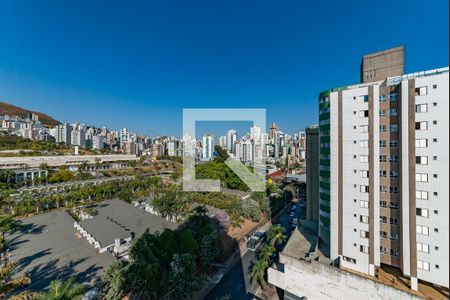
{"x":207,"y":147}
{"x":384,"y":170}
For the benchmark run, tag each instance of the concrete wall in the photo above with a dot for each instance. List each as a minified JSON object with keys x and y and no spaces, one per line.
{"x":312,"y":174}
{"x":319,"y":281}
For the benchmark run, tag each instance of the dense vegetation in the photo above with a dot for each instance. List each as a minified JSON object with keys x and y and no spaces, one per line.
{"x":167,"y":265}
{"x":12,"y":142}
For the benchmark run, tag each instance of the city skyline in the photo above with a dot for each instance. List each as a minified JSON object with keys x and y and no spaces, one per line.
{"x":267,"y":56}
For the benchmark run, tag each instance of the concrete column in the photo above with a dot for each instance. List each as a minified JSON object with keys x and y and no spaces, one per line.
{"x":414,"y":283}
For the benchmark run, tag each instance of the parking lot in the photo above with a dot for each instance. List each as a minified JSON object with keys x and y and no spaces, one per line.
{"x":47,"y":249}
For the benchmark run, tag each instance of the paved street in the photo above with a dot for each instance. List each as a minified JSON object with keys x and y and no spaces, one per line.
{"x":236,"y":282}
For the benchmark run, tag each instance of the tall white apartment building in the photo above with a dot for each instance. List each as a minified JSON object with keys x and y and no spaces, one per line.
{"x":171,"y":148}
{"x":78,"y":135}
{"x":124,"y":137}
{"x":208,"y":147}
{"x":231,"y":140}
{"x":384,"y":157}
{"x":63,"y":133}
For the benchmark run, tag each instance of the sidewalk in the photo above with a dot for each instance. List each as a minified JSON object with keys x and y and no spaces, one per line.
{"x":234,"y":258}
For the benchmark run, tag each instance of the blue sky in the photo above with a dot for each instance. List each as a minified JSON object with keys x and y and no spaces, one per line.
{"x":137,"y":64}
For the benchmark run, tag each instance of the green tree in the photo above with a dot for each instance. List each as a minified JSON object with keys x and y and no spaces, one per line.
{"x":114,"y":281}
{"x":209,"y":249}
{"x":266,"y":253}
{"x":258,"y":272}
{"x":183,"y":279}
{"x":60,"y":290}
{"x":276,"y":234}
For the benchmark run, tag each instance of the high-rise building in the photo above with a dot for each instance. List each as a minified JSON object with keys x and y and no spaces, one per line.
{"x":124,"y":137}
{"x":78,"y":135}
{"x":312,"y":173}
{"x":273,"y":128}
{"x":384,"y":170}
{"x":63,"y":133}
{"x":231,"y":140}
{"x":223,"y":141}
{"x":208,"y":146}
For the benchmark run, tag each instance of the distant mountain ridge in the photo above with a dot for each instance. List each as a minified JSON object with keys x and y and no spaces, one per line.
{"x":9,"y":109}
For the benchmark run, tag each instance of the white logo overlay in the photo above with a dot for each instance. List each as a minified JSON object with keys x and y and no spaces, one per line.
{"x":255,"y":180}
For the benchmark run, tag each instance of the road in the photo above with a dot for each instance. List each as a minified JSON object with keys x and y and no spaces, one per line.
{"x":236,"y":281}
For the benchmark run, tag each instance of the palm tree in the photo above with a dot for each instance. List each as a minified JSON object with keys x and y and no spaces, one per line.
{"x":276,"y":234}
{"x":258,"y":273}
{"x":266,"y":253}
{"x":7,"y":175}
{"x":63,"y":291}
{"x":8,"y":284}
{"x":44,"y":167}
{"x":7,"y":223}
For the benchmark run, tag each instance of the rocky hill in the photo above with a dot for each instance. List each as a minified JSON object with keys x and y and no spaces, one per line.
{"x":9,"y":109}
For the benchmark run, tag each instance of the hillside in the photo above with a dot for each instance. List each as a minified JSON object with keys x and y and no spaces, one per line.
{"x":8,"y":109}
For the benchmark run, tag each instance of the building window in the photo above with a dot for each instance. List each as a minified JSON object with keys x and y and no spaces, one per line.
{"x":393,"y":158}
{"x":364,"y":158}
{"x":383,"y":204}
{"x":364,"y":113}
{"x":434,"y":86}
{"x":349,"y":259}
{"x":422,"y":212}
{"x":421,"y":108}
{"x":395,"y":252}
{"x":364,"y":174}
{"x":393,"y":221}
{"x":423,"y":265}
{"x":421,"y":125}
{"x":423,"y":230}
{"x":382,"y":128}
{"x":383,"y":158}
{"x":364,"y":128}
{"x":383,"y":219}
{"x":363,"y":144}
{"x":420,"y":91}
{"x":364,"y":234}
{"x":382,"y":143}
{"x":393,"y":112}
{"x":383,"y":173}
{"x":421,"y":247}
{"x":434,"y":104}
{"x":364,"y":204}
{"x":393,"y":144}
{"x":393,"y":97}
{"x":383,"y":189}
{"x":364,"y":219}
{"x":422,"y":160}
{"x":434,"y":122}
{"x":393,"y":205}
{"x":421,"y":143}
{"x":366,"y":98}
{"x":383,"y":250}
{"x":393,"y":189}
{"x":434,"y":140}
{"x":422,"y":195}
{"x":364,"y":188}
{"x":393,"y":174}
{"x":382,"y":98}
{"x":382,"y":112}
{"x":363,"y":249}
{"x":393,"y":128}
{"x":421,"y":177}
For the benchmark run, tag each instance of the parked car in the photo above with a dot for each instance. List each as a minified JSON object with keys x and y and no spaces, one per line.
{"x":294,"y":222}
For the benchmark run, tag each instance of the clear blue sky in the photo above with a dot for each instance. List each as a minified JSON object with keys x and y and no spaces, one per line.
{"x":137,"y":64}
